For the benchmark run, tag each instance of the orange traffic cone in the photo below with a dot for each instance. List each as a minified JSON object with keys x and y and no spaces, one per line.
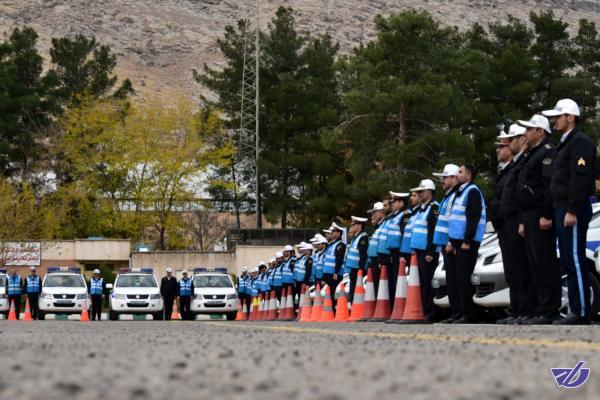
{"x":369,"y":308}
{"x":305,"y":309}
{"x":12,"y":315}
{"x":27,"y":315}
{"x":341,"y":314}
{"x":358,"y":303}
{"x":241,"y":315}
{"x":400,"y":300}
{"x":327,"y":314}
{"x":300,"y":302}
{"x":272,"y":314}
{"x":252,"y":316}
{"x":283,"y":305}
{"x":289,"y":314}
{"x":317,"y":308}
{"x":382,"y":308}
{"x":175,"y":314}
{"x":413,"y":311}
{"x":85,"y":316}
{"x":261,"y":308}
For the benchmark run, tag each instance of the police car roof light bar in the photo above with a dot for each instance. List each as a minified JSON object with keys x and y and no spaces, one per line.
{"x":200,"y":270}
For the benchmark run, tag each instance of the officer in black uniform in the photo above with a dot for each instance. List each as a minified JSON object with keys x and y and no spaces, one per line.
{"x":515,"y":262}
{"x":537,"y":218}
{"x":168,"y":290}
{"x":32,"y":286}
{"x":573,"y":182}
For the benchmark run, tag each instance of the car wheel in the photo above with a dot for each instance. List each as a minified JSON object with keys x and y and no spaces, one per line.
{"x":113,"y":316}
{"x":158,"y":316}
{"x":231,"y":316}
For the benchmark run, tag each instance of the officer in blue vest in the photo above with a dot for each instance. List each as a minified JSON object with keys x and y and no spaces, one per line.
{"x":382,"y":250}
{"x":244,"y":289}
{"x":261,"y":278}
{"x":399,"y":212}
{"x":421,"y":242}
{"x":356,"y":256}
{"x":287,"y":269}
{"x":333,"y":261}
{"x":466,"y":226}
{"x":97,"y":289}
{"x":573,"y":182}
{"x":321,"y":246}
{"x":449,"y":180}
{"x":33,"y":288}
{"x":185,"y":288}
{"x":303,"y":267}
{"x":407,"y":226}
{"x":14,"y":288}
{"x":377,"y":218}
{"x":277,"y":281}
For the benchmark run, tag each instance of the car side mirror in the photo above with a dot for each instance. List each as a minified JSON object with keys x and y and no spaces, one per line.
{"x":109,"y":286}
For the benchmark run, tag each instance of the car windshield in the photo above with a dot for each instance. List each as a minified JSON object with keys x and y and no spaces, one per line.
{"x":2,"y":280}
{"x":212,"y":281}
{"x":75,"y":281}
{"x":136,"y":281}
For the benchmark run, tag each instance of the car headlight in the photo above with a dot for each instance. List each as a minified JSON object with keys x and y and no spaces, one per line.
{"x":435,"y":283}
{"x":155,"y":296}
{"x":475,"y":280}
{"x":120,"y":296}
{"x":2,"y":296}
{"x":231,"y":296}
{"x":46,"y":295}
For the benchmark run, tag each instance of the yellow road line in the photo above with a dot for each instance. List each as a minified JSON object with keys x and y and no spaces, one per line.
{"x":490,"y":341}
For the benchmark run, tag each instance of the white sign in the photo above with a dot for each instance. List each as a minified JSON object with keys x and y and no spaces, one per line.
{"x":21,"y":253}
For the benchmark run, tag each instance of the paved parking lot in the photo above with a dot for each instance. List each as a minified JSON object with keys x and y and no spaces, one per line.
{"x":225,"y":360}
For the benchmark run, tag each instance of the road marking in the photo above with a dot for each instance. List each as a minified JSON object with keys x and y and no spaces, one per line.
{"x":489,"y":341}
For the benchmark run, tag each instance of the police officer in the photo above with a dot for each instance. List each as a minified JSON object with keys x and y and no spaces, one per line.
{"x":385,"y":255}
{"x":14,"y":289}
{"x":33,"y":288}
{"x":421,"y":242}
{"x":449,"y":179}
{"x":536,"y":218}
{"x":377,"y":218}
{"x":168,"y":290}
{"x":515,"y":259}
{"x":356,"y":256}
{"x":97,"y":288}
{"x":333,"y":260}
{"x":303,"y":268}
{"x":317,"y":271}
{"x":573,"y":182}
{"x":260,"y":279}
{"x":466,"y":226}
{"x":185,"y":290}
{"x":399,"y":211}
{"x":287,"y":269}
{"x":407,"y":225}
{"x":244,"y":288}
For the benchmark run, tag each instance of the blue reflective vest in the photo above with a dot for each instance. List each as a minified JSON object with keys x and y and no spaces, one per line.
{"x":383,"y":236}
{"x":242,"y":284}
{"x":13,"y":284}
{"x":373,"y":243}
{"x":458,"y":219}
{"x":440,"y":235}
{"x":185,"y":287}
{"x":329,"y":257}
{"x":248,"y":285}
{"x":394,"y":235}
{"x":317,"y":269}
{"x":265,"y":287}
{"x":96,"y":286}
{"x":353,"y":255}
{"x":34,"y":284}
{"x":286,"y":271}
{"x":406,"y":237}
{"x":300,"y":269}
{"x":418,"y":240}
{"x":254,"y":286}
{"x":278,"y":276}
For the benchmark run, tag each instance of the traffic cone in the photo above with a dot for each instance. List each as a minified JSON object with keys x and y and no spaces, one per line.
{"x":369,"y":307}
{"x":358,"y":302}
{"x":261,"y":308}
{"x":413,"y":311}
{"x":341,"y":314}
{"x":27,"y":315}
{"x":272,"y":314}
{"x":289,"y":314}
{"x":85,"y":316}
{"x":300,"y":302}
{"x":317,"y":308}
{"x":175,"y":314}
{"x":306,"y":308}
{"x":283,"y":305}
{"x":241,"y":315}
{"x":382,"y":308}
{"x":327,"y":314}
{"x":251,"y":315}
{"x":12,"y":315}
{"x":400,"y":300}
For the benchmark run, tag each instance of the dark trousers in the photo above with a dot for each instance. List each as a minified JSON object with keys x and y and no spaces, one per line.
{"x":244,"y":301}
{"x":375,"y":272}
{"x":16,"y":300}
{"x":96,"y":307}
{"x":168,"y":307}
{"x":184,"y":307}
{"x":523,"y":296}
{"x":465,"y":264}
{"x":572,"y":244}
{"x":451,"y":284}
{"x":545,"y":270}
{"x":332,"y":283}
{"x":426,"y":271}
{"x":353,"y":275}
{"x":393,"y":272}
{"x":33,"y":304}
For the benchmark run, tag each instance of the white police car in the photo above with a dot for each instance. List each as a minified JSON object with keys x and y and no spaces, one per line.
{"x":3,"y":296}
{"x":136,"y":291}
{"x":64,"y":291}
{"x":214,"y":293}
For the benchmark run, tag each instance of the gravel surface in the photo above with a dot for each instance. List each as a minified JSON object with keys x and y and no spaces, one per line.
{"x":230,"y":360}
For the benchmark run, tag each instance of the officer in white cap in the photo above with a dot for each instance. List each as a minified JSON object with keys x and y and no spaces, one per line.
{"x":449,"y":181}
{"x":377,"y":218}
{"x":97,"y":288}
{"x":287,"y":269}
{"x":33,"y":288}
{"x":185,"y":289}
{"x":244,"y":287}
{"x":534,"y":198}
{"x":356,"y":256}
{"x":333,"y":260}
{"x":317,"y":270}
{"x":168,"y":290}
{"x":400,"y":213}
{"x":573,"y":183}
{"x":303,"y":268}
{"x":421,"y":242}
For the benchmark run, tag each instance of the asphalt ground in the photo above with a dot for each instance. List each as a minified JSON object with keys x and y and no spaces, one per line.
{"x":282,"y":360}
